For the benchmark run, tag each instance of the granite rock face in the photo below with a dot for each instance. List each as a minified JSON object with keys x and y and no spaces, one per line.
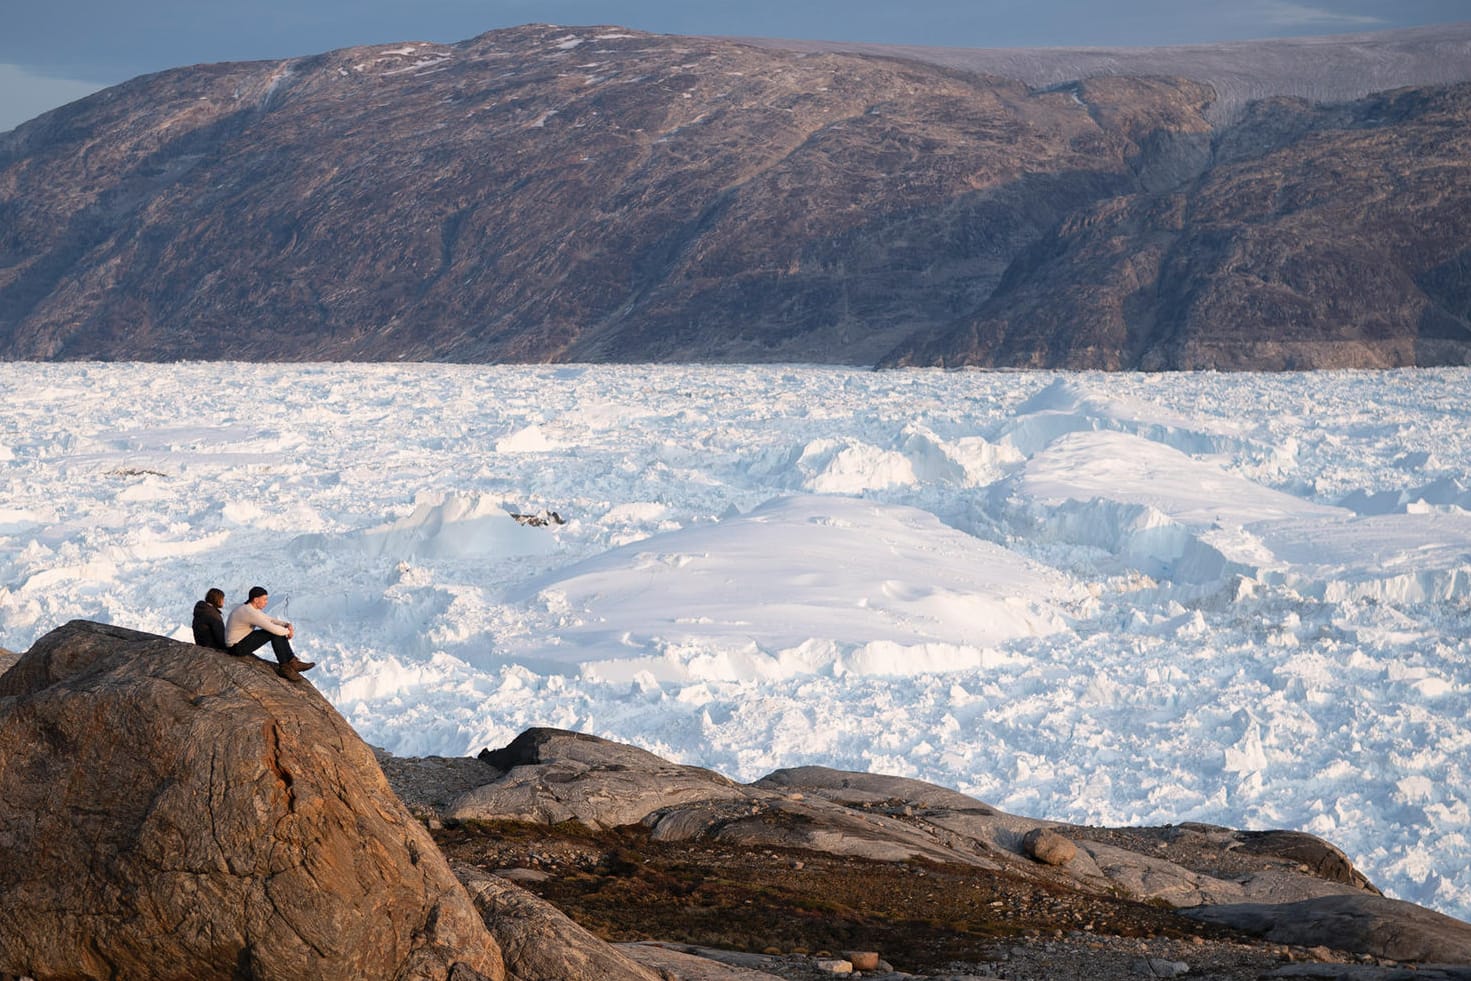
{"x":548,"y":776}
{"x":551,"y":194}
{"x":1359,"y":923}
{"x":1287,"y":886}
{"x":551,"y":775}
{"x":539,"y":942}
{"x":167,"y":811}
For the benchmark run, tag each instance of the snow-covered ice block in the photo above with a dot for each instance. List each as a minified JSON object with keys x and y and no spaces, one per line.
{"x":766,"y":593}
{"x":1155,"y":508}
{"x":454,"y":526}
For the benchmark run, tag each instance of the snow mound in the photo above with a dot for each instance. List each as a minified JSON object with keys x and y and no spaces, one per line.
{"x":916,"y":457}
{"x":832,"y":466}
{"x":1133,"y":470}
{"x":1172,"y":516}
{"x":532,"y":439}
{"x":1154,"y":508}
{"x":799,"y":584}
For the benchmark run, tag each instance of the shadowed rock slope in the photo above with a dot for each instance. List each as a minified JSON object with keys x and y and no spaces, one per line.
{"x":1317,"y":238}
{"x":550,"y":194}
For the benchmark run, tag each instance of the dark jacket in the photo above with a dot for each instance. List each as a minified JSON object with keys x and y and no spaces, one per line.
{"x":209,"y":626}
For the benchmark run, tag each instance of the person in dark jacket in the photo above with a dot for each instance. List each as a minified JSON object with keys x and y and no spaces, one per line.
{"x":209,"y":623}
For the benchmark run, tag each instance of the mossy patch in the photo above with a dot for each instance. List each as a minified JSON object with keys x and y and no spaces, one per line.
{"x":623,"y":886}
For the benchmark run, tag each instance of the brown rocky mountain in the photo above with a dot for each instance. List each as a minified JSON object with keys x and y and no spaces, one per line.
{"x":545,"y":194}
{"x":1318,"y":238}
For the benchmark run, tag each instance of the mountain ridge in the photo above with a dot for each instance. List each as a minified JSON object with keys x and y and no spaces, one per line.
{"x":597,"y":194}
{"x":1239,"y":71}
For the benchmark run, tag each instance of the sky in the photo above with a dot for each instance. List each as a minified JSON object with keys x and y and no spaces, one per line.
{"x":54,"y":52}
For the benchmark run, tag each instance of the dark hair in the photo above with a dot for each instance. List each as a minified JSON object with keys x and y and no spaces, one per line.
{"x":257,"y":591}
{"x":215,"y":596}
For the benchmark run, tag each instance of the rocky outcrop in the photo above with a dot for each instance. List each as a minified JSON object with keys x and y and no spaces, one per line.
{"x":1287,"y":886}
{"x":549,"y":775}
{"x":552,"y":775}
{"x":596,"y":194}
{"x":1357,"y":923}
{"x":429,"y":785}
{"x":539,"y":943}
{"x":167,"y":811}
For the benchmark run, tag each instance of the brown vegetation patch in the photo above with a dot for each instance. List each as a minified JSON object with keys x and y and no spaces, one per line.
{"x":624,"y":886}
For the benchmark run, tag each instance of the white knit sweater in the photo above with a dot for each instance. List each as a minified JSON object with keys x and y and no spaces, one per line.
{"x":245,"y":617}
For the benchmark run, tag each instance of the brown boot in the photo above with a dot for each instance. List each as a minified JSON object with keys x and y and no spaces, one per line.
{"x":299,"y":665}
{"x":288,"y":672}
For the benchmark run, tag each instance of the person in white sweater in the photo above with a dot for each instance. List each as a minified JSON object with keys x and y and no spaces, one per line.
{"x":248,"y":629}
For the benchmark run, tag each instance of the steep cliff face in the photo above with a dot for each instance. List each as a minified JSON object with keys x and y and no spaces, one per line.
{"x":1319,"y":237}
{"x":544,"y":194}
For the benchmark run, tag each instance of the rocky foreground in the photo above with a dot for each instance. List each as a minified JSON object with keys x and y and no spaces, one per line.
{"x":168,"y":811}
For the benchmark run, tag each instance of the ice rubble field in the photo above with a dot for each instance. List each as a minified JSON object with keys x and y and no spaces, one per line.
{"x":1238,"y":599}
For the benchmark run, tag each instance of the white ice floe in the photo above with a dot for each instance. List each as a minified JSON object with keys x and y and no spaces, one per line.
{"x":1240,"y":599}
{"x":795,"y":586}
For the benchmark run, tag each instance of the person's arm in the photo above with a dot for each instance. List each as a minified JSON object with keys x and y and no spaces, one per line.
{"x":270,"y":624}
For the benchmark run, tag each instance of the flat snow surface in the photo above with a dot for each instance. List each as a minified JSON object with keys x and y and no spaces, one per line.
{"x":1122,"y":599}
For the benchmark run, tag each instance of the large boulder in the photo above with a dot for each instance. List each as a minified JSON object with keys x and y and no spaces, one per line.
{"x":552,"y":775}
{"x":813,"y":825}
{"x":168,"y":811}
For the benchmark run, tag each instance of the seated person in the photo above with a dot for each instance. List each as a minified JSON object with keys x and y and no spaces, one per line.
{"x":209,"y":624}
{"x":249,"y":629}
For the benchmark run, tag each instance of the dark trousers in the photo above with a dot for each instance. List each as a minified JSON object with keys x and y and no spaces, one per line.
{"x":257,"y":639}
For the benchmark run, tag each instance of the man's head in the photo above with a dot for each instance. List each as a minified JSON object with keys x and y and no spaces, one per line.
{"x":258,"y":597}
{"x":215,"y":598}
